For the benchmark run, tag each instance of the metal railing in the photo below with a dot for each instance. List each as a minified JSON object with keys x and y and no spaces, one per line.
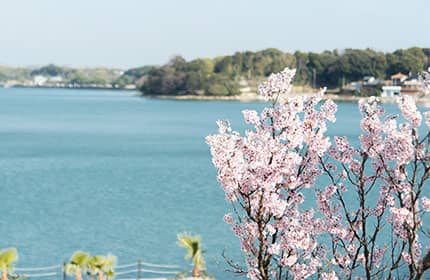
{"x":130,"y":271}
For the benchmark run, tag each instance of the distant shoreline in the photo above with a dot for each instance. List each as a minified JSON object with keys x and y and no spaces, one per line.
{"x":423,"y":101}
{"x":83,"y":87}
{"x":243,"y":97}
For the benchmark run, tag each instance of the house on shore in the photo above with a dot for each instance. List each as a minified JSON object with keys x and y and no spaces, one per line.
{"x":39,"y":80}
{"x":413,"y":84}
{"x":402,"y":84}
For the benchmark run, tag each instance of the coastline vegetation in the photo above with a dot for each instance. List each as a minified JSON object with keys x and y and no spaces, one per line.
{"x":61,"y":76}
{"x":243,"y":71}
{"x":230,"y":75}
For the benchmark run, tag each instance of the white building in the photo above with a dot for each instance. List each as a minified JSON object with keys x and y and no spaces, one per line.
{"x":390,"y":91}
{"x":39,"y":80}
{"x":56,"y":79}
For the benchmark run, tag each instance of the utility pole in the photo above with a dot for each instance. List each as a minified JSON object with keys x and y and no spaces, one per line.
{"x":314,"y":78}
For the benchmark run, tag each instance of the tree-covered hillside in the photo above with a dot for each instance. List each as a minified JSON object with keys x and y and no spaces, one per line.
{"x":229,"y":75}
{"x":66,"y":75}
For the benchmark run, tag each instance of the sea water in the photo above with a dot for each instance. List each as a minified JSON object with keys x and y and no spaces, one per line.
{"x":109,"y":172}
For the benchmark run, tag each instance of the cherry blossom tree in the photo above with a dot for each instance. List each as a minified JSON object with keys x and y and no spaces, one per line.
{"x":376,"y":237}
{"x":263,"y":174}
{"x":366,"y":223}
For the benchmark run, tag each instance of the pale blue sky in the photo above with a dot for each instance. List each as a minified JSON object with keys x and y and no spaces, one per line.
{"x":128,"y":33}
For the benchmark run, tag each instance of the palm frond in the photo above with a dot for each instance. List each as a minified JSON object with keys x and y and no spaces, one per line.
{"x":8,"y":257}
{"x":187,"y":241}
{"x":110,"y":273}
{"x":95,"y":263}
{"x":184,"y":240}
{"x":70,"y":269}
{"x":104,"y":264}
{"x":110,"y":261}
{"x":80,"y":258}
{"x":193,"y":244}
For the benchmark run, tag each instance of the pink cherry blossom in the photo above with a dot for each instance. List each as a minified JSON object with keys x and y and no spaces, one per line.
{"x":251,"y":116}
{"x":329,"y":276}
{"x":426,"y":204}
{"x":228,"y":218}
{"x":406,"y":257}
{"x":409,"y":110}
{"x":427,"y":118}
{"x":277,"y":83}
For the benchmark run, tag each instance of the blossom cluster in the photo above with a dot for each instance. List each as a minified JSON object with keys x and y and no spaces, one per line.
{"x":277,"y":83}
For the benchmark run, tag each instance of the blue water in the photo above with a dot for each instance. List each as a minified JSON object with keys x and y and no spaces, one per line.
{"x":106,"y":171}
